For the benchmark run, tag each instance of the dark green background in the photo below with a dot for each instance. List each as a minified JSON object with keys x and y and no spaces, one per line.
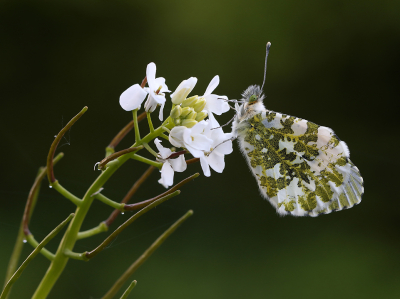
{"x":335,"y":63}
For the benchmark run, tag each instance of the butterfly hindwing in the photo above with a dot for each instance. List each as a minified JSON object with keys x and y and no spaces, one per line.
{"x":301,"y":168}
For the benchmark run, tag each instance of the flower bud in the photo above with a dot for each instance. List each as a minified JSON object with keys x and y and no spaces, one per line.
{"x":177,"y":121}
{"x":186,"y":111}
{"x":201,"y":115}
{"x":199,"y":105}
{"x":176,"y":112}
{"x":188,"y":123}
{"x":191,"y":115}
{"x":189,"y":101}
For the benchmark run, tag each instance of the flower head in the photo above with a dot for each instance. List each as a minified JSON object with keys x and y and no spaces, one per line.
{"x":170,"y":165}
{"x":133,"y":97}
{"x":193,"y":139}
{"x":156,"y":90}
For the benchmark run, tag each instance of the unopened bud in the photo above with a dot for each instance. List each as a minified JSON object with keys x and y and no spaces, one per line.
{"x":201,"y":115}
{"x":186,"y":111}
{"x":188,"y":123}
{"x":191,"y":115}
{"x":177,"y":121}
{"x":199,"y":105}
{"x":189,"y":101}
{"x":176,"y":112}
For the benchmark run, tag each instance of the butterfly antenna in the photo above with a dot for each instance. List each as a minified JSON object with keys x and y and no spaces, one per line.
{"x":265,"y":68}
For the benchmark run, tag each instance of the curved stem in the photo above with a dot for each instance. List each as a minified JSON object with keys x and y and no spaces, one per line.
{"x":47,"y":254}
{"x":142,"y":204}
{"x":129,"y":290}
{"x":111,"y":237}
{"x":70,"y":236}
{"x":129,"y":195}
{"x":151,"y":127}
{"x":35,"y":252}
{"x":102,"y":227}
{"x":50,"y":170}
{"x":118,"y":284}
{"x":103,"y":163}
{"x":135,"y":121}
{"x":111,"y":203}
{"x":147,"y":161}
{"x":64,"y":192}
{"x":117,"y":139}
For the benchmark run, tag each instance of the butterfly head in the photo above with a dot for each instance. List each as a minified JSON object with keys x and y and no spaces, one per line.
{"x":253,"y":95}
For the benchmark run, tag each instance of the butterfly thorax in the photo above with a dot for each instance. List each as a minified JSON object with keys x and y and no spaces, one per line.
{"x":252,"y":105}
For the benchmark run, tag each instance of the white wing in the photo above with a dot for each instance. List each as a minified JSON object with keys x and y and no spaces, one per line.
{"x":303,"y":169}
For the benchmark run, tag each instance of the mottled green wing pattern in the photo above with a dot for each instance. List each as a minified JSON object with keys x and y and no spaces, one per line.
{"x":303,"y":169}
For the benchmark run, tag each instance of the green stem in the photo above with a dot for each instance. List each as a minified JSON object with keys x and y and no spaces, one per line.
{"x":29,"y":208}
{"x":111,"y":203}
{"x":47,"y":254}
{"x":75,"y":255}
{"x":164,"y":136}
{"x":128,"y":222}
{"x":150,"y":122}
{"x":119,"y":283}
{"x":71,"y":235}
{"x":136,"y":123}
{"x":35,"y":252}
{"x":129,"y":290}
{"x":150,"y":150}
{"x":102,"y":227}
{"x":147,"y":161}
{"x":64,"y":192}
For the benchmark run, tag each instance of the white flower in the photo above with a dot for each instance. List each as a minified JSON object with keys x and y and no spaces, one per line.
{"x":132,"y":98}
{"x":183,"y":90}
{"x":193,"y":139}
{"x":221,"y":146}
{"x":170,"y":165}
{"x":214,"y":103}
{"x":156,"y":90}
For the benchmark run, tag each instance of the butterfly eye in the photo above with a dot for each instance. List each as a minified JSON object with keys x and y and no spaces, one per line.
{"x":253,"y":99}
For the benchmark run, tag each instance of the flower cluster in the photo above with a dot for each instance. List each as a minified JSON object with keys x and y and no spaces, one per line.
{"x":191,"y":124}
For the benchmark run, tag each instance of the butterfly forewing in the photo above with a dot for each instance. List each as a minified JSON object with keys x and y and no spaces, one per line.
{"x":302,"y":168}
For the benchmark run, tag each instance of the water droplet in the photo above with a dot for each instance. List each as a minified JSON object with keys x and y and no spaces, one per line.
{"x":50,"y":186}
{"x":122,"y":213}
{"x":24,"y":240}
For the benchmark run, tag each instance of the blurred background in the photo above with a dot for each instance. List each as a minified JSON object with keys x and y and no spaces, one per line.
{"x":335,"y":63}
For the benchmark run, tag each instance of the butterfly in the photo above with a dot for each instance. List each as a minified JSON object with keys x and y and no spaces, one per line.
{"x":303,"y":169}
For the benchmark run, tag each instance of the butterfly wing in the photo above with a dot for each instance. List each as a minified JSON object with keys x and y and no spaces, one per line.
{"x":303,"y":169}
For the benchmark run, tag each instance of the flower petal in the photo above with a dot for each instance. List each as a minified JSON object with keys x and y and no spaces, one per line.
{"x":204,"y":166}
{"x":132,"y":98}
{"x":176,"y":136}
{"x":178,"y":164}
{"x":201,"y":142}
{"x":167,"y":175}
{"x":183,"y":90}
{"x":215,"y":104}
{"x":213,"y":85}
{"x":164,"y":152}
{"x":151,"y":74}
{"x":216,"y":161}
